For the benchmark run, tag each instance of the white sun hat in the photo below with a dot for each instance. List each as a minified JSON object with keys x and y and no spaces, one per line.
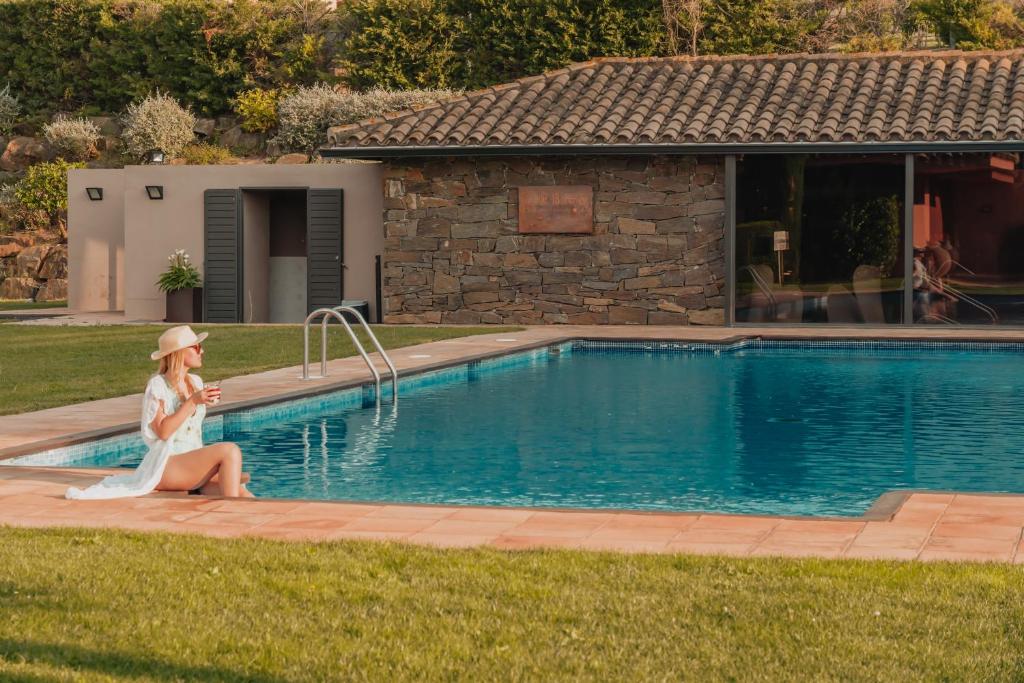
{"x":176,"y":339}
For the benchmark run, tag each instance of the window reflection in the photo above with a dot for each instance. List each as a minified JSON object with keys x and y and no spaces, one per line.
{"x":968,"y":239}
{"x":819,"y":239}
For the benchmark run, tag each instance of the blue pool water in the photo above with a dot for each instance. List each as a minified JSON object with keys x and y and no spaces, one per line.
{"x":809,"y":431}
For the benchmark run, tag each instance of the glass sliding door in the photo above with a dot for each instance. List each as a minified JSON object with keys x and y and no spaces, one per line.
{"x":968,"y":239}
{"x":819,"y":239}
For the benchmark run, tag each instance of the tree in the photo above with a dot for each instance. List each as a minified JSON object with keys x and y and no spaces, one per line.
{"x":401,"y":44}
{"x":758,"y":26}
{"x":877,"y":25}
{"x":469,"y":44}
{"x":684,"y":25}
{"x":974,"y":24}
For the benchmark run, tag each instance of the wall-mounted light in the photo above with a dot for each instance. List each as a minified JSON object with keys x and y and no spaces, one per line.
{"x":154,"y":156}
{"x":95,"y":193}
{"x":155,"y":191}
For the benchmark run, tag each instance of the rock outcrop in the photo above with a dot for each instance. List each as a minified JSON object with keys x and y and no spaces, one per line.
{"x":33,"y":265}
{"x":21,"y":152}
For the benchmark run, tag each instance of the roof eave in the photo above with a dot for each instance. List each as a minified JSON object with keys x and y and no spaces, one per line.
{"x":708,"y":148}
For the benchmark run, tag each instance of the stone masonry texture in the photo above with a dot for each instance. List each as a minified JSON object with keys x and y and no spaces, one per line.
{"x":453,"y":253}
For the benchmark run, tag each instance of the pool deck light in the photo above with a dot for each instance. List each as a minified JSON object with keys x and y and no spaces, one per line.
{"x":155,"y":191}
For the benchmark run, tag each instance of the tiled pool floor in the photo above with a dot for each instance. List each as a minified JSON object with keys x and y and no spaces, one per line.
{"x":928,"y":526}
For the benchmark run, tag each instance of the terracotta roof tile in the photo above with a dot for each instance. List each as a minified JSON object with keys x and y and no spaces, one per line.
{"x":885,"y":97}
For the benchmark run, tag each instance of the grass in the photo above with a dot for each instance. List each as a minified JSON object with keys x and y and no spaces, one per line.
{"x":108,"y":605}
{"x":24,"y":305}
{"x":42,"y":367}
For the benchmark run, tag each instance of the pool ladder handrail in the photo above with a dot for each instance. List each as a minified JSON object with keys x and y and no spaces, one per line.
{"x":336,"y":313}
{"x":376,"y":344}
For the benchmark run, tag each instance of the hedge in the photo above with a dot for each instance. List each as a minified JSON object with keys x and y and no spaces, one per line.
{"x":96,"y":56}
{"x":468,"y":44}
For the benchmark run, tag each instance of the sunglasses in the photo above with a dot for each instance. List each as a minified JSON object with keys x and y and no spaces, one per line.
{"x":198,"y":348}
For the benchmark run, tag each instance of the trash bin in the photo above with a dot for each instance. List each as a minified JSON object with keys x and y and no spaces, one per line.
{"x":360,"y":305}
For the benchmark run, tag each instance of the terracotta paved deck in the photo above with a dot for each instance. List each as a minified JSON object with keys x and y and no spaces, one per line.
{"x":928,"y":526}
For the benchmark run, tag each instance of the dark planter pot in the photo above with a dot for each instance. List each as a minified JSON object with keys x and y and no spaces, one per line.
{"x":185,"y":306}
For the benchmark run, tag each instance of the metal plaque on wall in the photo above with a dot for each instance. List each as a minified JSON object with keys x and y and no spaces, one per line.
{"x":556,"y":208}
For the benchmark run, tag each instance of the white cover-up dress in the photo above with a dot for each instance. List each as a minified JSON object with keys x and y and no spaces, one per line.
{"x":145,"y":477}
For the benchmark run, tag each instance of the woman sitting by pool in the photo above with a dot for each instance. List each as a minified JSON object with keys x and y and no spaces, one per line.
{"x":173,"y":409}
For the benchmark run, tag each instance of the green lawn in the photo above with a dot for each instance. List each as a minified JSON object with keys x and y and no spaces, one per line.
{"x":117,"y":606}
{"x":23,"y":305}
{"x":42,"y":367}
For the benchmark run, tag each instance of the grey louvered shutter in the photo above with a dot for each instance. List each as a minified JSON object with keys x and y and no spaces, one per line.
{"x":222,"y":279}
{"x":324,"y":248}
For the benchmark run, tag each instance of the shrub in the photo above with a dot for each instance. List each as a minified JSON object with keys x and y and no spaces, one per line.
{"x":157,"y":122}
{"x":180,"y":274}
{"x":45,"y":186}
{"x":9,"y":110}
{"x":257,"y":109}
{"x":205,"y":154}
{"x":355,"y":106}
{"x":74,"y":139}
{"x":43,"y":194}
{"x":8,"y":208}
{"x":23,"y":218}
{"x":306,"y":115}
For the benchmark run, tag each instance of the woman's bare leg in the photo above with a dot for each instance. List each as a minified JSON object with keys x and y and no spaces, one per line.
{"x":187,"y":471}
{"x":212,"y":487}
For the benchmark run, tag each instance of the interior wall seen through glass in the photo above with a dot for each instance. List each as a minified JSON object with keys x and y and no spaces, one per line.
{"x":819,"y":239}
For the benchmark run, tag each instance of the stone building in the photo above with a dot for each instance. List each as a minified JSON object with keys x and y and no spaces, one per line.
{"x":783,"y":189}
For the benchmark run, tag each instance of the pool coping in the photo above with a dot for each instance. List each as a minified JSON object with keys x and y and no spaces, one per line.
{"x":882,"y":509}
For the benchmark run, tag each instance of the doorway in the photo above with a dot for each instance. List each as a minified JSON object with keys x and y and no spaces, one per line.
{"x":272,"y":254}
{"x":275,"y":256}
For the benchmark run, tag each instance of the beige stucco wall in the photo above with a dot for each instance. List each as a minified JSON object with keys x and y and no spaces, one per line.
{"x":152,"y":229}
{"x":96,"y":241}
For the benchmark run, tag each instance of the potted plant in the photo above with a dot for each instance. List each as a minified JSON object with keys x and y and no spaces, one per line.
{"x":181,"y":283}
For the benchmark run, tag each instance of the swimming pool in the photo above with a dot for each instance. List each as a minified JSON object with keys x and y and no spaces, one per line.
{"x":797,"y":428}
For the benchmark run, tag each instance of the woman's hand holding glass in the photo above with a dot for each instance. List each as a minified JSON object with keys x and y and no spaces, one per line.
{"x":207,"y":396}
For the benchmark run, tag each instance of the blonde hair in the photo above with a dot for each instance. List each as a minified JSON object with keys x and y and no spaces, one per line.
{"x":173,"y":364}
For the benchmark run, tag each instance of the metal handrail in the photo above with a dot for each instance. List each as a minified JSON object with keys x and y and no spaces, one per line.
{"x":376,"y":344}
{"x":328,"y":313}
{"x":336,"y":313}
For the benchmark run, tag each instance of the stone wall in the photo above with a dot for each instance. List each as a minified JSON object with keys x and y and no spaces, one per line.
{"x":453,"y":253}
